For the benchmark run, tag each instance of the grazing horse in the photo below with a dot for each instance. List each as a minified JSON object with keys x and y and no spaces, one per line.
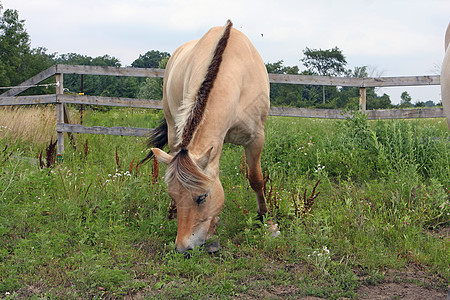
{"x":216,"y":90}
{"x":445,"y":77}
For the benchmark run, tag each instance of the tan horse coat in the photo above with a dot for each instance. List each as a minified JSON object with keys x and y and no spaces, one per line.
{"x":234,"y":108}
{"x":445,"y":77}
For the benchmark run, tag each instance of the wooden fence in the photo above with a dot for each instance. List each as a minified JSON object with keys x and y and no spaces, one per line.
{"x":63,"y":122}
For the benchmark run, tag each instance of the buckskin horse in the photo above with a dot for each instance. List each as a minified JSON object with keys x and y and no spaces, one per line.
{"x":215,"y":90}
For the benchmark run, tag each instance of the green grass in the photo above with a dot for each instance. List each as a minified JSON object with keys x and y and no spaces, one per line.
{"x":94,"y":226}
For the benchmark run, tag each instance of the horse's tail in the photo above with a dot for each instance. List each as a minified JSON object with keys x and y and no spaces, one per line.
{"x":157,"y":139}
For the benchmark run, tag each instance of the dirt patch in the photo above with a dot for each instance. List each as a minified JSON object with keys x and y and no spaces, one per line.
{"x":400,"y":291}
{"x":441,"y":232}
{"x":411,"y":284}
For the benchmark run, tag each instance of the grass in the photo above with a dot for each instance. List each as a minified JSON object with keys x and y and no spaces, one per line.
{"x":32,"y":127}
{"x":95,"y":226}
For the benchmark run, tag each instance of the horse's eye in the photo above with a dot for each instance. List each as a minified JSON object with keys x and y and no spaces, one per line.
{"x":201,"y":198}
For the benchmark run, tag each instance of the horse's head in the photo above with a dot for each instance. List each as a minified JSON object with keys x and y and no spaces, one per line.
{"x":198,"y":197}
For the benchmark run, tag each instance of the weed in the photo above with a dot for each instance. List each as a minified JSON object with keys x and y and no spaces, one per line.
{"x":86,"y":148}
{"x":50,"y":155}
{"x":303,"y":205}
{"x":118,"y":164}
{"x":5,"y":154}
{"x":155,"y":170}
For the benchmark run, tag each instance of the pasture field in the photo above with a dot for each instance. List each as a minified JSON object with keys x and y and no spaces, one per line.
{"x":363,"y":207}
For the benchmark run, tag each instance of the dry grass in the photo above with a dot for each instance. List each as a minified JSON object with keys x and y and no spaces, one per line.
{"x":36,"y":124}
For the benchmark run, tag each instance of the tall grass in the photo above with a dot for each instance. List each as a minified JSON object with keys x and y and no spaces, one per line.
{"x":97,"y":226}
{"x":28,"y":125}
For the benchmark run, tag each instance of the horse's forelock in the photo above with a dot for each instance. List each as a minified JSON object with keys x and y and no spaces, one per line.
{"x":183,"y":169}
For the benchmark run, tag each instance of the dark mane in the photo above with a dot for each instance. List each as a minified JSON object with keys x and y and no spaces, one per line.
{"x":198,"y":110}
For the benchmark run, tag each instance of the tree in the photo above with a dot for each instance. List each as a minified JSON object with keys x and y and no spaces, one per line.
{"x":419,"y":104}
{"x":14,"y":45}
{"x":97,"y":85}
{"x":430,"y":103}
{"x":152,"y":88}
{"x":405,"y":100}
{"x":18,"y":61}
{"x":151,"y":59}
{"x":324,"y":62}
{"x":359,"y":72}
{"x":278,"y":92}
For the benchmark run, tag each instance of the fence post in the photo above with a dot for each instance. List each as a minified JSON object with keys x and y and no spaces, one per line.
{"x":59,"y":116}
{"x":362,"y":99}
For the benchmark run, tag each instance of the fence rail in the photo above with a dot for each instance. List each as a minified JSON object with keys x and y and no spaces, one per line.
{"x":60,"y":99}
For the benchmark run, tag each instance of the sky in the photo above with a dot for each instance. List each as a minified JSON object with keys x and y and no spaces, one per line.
{"x":390,"y":37}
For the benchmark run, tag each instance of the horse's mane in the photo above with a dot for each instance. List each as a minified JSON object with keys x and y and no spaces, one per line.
{"x":196,"y":108}
{"x":182,"y":167}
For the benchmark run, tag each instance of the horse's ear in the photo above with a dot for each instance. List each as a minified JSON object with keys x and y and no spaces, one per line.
{"x":203,"y":161}
{"x":162,"y":156}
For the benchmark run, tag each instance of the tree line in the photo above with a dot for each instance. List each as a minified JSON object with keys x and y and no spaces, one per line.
{"x":18,"y":62}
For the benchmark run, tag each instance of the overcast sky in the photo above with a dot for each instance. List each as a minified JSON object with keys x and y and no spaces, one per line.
{"x":391,"y":37}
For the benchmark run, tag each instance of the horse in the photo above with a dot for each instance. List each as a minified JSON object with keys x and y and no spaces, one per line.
{"x":445,"y":77}
{"x":215,"y":91}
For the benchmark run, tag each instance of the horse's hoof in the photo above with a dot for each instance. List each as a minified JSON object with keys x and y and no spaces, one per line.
{"x":213,"y":247}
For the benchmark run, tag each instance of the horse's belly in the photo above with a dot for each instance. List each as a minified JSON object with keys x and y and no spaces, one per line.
{"x":239,"y":136}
